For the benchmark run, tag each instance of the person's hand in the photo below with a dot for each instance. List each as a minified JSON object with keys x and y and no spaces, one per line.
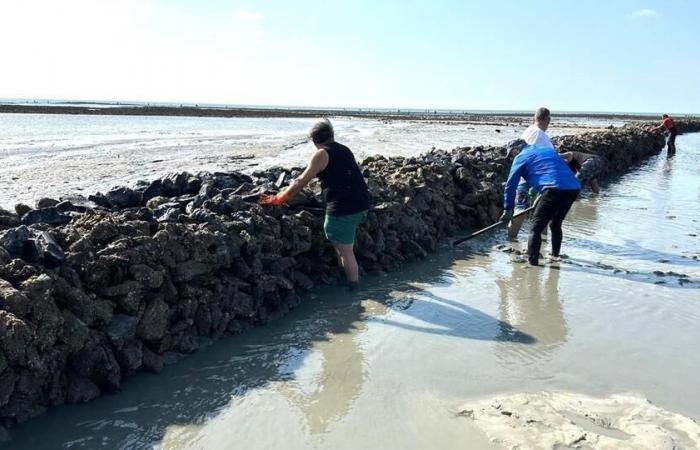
{"x":273,"y":200}
{"x":507,"y":215}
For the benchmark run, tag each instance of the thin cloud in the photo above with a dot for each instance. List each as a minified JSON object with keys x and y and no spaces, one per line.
{"x":642,"y":14}
{"x":248,"y":17}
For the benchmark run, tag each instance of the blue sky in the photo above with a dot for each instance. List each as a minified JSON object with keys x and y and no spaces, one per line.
{"x":619,"y":55}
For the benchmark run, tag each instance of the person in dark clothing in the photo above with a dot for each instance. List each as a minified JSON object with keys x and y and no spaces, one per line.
{"x":547,"y":173}
{"x":670,"y":126}
{"x":587,"y":168}
{"x":344,"y":191}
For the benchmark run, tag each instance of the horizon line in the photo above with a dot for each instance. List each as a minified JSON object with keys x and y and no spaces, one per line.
{"x":201,"y":105}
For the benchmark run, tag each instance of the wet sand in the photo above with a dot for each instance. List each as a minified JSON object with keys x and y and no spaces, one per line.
{"x":45,"y":155}
{"x":396,"y":365}
{"x":556,"y":420}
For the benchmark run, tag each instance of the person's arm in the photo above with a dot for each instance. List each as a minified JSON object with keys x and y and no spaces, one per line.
{"x":659,"y":128}
{"x":318,"y":162}
{"x":516,"y":172}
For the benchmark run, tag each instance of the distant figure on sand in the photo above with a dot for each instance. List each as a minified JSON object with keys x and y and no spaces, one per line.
{"x":669,"y":125}
{"x":586,"y":166}
{"x":536,"y":134}
{"x":546,"y":172}
{"x":344,"y":191}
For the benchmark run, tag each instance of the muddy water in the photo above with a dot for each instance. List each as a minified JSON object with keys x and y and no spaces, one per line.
{"x":389,"y":367}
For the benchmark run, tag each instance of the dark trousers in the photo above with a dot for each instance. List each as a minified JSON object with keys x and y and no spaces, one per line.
{"x":551,"y":208}
{"x":672,"y":140}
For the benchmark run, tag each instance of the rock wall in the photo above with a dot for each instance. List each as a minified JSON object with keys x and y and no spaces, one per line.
{"x":687,"y":125}
{"x":93,"y":290}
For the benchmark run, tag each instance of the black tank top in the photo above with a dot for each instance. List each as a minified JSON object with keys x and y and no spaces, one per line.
{"x":344,"y":187}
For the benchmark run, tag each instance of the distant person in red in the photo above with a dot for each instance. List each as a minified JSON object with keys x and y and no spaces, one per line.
{"x":670,"y":127}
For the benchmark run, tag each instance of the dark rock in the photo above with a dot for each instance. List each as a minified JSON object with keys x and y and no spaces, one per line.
{"x":15,"y":339}
{"x":97,"y":362}
{"x":51,"y":216}
{"x":155,"y":320}
{"x":13,"y":300}
{"x":167,"y":212}
{"x":124,"y":288}
{"x":81,"y":390}
{"x":152,"y":362}
{"x":22,"y":209}
{"x":13,"y":240}
{"x":65,"y":206}
{"x":152,"y":279}
{"x":124,"y":197}
{"x":130,"y":356}
{"x":46,"y":203}
{"x":229,"y":180}
{"x":173,"y":184}
{"x":75,"y":331}
{"x":8,"y":219}
{"x":103,"y":233}
{"x":122,"y":328}
{"x":301,"y":280}
{"x":76,"y":203}
{"x":188,"y":270}
{"x":51,"y":253}
{"x":100,"y":200}
{"x":207,"y":190}
{"x":191,"y":185}
{"x":155,"y":189}
{"x":155,"y":202}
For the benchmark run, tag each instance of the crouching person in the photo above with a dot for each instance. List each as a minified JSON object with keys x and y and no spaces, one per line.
{"x":588,"y":168}
{"x":344,"y":191}
{"x":546,"y":172}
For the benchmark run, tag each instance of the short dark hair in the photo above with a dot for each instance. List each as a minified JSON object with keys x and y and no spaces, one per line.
{"x":321,"y":132}
{"x":541,"y":114}
{"x":665,"y":116}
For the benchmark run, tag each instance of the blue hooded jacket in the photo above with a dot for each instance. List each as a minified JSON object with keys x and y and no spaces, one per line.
{"x":542,"y":168}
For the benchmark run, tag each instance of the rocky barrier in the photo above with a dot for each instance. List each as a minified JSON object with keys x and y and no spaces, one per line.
{"x":688,"y":126}
{"x":95,"y":289}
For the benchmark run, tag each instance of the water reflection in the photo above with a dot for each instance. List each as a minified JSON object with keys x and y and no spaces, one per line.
{"x":330,"y":375}
{"x":530,"y":301}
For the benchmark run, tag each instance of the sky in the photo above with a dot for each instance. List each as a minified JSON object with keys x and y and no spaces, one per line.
{"x":615,"y":55}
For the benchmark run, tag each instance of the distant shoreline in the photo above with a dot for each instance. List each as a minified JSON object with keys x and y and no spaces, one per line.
{"x":253,"y":112}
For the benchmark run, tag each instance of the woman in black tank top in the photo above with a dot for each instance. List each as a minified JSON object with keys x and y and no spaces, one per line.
{"x":344,"y":187}
{"x":344,"y":191}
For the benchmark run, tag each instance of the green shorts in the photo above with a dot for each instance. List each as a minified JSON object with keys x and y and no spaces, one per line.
{"x":341,"y":229}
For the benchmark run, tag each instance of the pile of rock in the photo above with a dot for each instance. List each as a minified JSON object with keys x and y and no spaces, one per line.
{"x":94,"y":289}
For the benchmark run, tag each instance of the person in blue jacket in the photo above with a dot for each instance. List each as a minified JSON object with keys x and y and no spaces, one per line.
{"x":547,"y":173}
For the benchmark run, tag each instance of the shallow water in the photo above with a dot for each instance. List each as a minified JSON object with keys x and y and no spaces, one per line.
{"x":389,"y":367}
{"x":49,"y":155}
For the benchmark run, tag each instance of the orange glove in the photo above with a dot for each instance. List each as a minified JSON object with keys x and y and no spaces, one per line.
{"x":273,"y":200}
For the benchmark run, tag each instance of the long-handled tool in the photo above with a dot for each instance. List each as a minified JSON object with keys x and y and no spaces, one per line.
{"x":491,"y":227}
